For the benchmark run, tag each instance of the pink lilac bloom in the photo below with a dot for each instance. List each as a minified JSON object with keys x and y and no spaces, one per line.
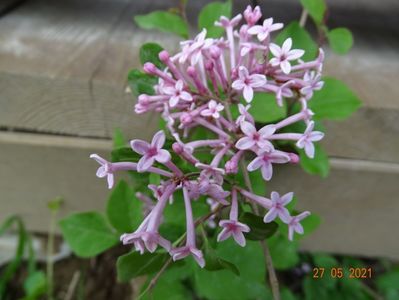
{"x":307,"y":139}
{"x":213,"y":110}
{"x":283,"y":55}
{"x":247,"y":83}
{"x":177,"y":93}
{"x":294,"y":225}
{"x":151,"y":152}
{"x":255,"y":137}
{"x":263,"y":31}
{"x":232,"y":227}
{"x":278,"y":207}
{"x":264,"y":161}
{"x":206,"y":87}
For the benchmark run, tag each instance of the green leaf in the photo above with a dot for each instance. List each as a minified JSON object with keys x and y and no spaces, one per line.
{"x":259,"y":229}
{"x":211,"y":13}
{"x":149,"y":53}
{"x":88,"y":233}
{"x":134,"y":264}
{"x":141,"y":83}
{"x":123,"y":209}
{"x":301,"y":39}
{"x":310,"y":224}
{"x":315,"y":8}
{"x":284,"y":252}
{"x":340,"y":40}
{"x":327,"y":262}
{"x":224,"y":285}
{"x":118,"y":139}
{"x":319,"y":165}
{"x":313,"y":290}
{"x":35,"y":285}
{"x":335,"y":101}
{"x":264,"y":108}
{"x":163,"y":21}
{"x":286,"y":294}
{"x":215,"y":263}
{"x":124,"y":154}
{"x":388,"y":280}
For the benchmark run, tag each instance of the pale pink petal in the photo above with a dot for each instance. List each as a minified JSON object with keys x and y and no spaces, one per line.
{"x":255,"y":29}
{"x":199,"y":258}
{"x":298,"y":228}
{"x":270,"y":216}
{"x":303,"y":215}
{"x":247,"y":128}
{"x":316,"y":136}
{"x":309,"y":149}
{"x":243,"y":227}
{"x":267,"y":22}
{"x":287,"y":45}
{"x":279,"y":158}
{"x":276,"y":26}
{"x":98,"y":159}
{"x":275,"y":197}
{"x":301,"y":142}
{"x":186,"y":96}
{"x":139,"y":146}
{"x":243,"y":72}
{"x":263,"y":35}
{"x":179,"y":85}
{"x":101,"y":172}
{"x":158,"y":140}
{"x":245,"y":143}
{"x":275,"y":50}
{"x":255,"y":164}
{"x":238,"y":84}
{"x":287,"y":198}
{"x":267,"y":131}
{"x":284,"y":214}
{"x":173,"y":101}
{"x":265,"y":145}
{"x":248,"y":93}
{"x":163,"y":156}
{"x":290,"y":233}
{"x":144,"y":163}
{"x":295,"y":54}
{"x":110,"y":180}
{"x":267,"y":171}
{"x":206,"y":113}
{"x":223,"y":235}
{"x":309,"y":128}
{"x":169,"y":90}
{"x":275,"y":61}
{"x":285,"y":66}
{"x":239,"y":238}
{"x":257,"y":80}
{"x":164,"y":243}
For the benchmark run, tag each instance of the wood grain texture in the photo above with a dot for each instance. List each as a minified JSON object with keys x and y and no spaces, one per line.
{"x":358,"y":202}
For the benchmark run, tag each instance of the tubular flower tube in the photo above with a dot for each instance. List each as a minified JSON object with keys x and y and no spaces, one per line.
{"x":207,"y":86}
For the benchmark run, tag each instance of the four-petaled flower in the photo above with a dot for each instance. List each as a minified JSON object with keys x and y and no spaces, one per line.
{"x":176,"y":93}
{"x":151,"y":152}
{"x":255,"y":138}
{"x":278,"y":207}
{"x":213,"y":110}
{"x":283,"y":55}
{"x":264,"y":161}
{"x":233,"y":228}
{"x":182,"y":252}
{"x":313,"y":83}
{"x":244,"y":114}
{"x":307,"y":139}
{"x":247,"y":83}
{"x":105,"y":169}
{"x":263,"y":31}
{"x":294,"y":225}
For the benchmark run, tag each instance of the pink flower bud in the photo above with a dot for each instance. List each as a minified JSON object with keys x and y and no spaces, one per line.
{"x":150,"y":68}
{"x":163,"y":56}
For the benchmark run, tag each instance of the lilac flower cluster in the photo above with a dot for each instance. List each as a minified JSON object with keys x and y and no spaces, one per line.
{"x":198,"y":88}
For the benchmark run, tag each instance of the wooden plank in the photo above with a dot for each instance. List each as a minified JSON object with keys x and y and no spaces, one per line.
{"x":358,"y":202}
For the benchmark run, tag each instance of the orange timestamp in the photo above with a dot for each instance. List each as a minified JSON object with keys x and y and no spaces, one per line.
{"x":338,"y":272}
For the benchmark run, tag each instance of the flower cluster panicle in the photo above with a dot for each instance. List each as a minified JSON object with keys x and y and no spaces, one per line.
{"x":197,"y":88}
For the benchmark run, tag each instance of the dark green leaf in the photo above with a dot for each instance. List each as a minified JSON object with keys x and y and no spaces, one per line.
{"x":134,"y":264}
{"x":163,"y":21}
{"x":215,"y":263}
{"x":313,"y":290}
{"x":259,"y":229}
{"x":283,"y":252}
{"x":340,"y":40}
{"x":319,"y":165}
{"x":35,"y":285}
{"x":149,"y":53}
{"x":88,"y":233}
{"x":124,"y":154}
{"x":388,"y":280}
{"x":327,"y":262}
{"x":315,"y":8}
{"x":211,"y":13}
{"x":334,"y":101}
{"x":123,"y":209}
{"x":301,"y":39}
{"x":264,"y":108}
{"x":141,"y":83}
{"x":118,"y":139}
